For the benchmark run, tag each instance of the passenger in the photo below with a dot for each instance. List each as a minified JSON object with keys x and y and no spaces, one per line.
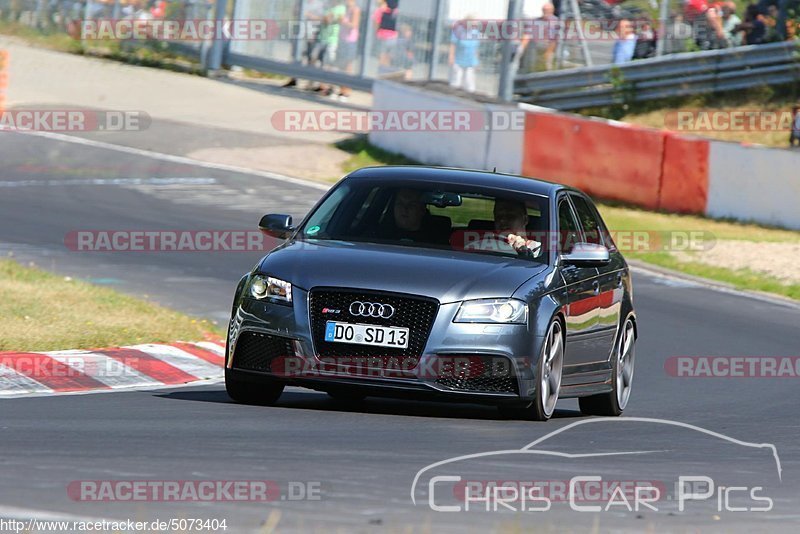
{"x":411,"y":221}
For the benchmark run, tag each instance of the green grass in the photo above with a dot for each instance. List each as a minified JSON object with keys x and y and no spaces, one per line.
{"x":630,"y":218}
{"x":42,"y":311}
{"x":53,"y":40}
{"x":633,"y":219}
{"x":741,"y":279}
{"x":363,"y":154}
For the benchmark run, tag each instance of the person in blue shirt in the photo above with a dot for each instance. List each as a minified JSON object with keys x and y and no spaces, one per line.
{"x":463,"y":57}
{"x":625,"y":44}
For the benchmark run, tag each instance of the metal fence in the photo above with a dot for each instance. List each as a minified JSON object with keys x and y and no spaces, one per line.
{"x":413,"y":42}
{"x":415,"y":48}
{"x":667,"y":76}
{"x":66,"y":16}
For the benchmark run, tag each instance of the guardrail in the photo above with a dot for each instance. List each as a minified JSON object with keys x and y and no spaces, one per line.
{"x":675,"y":75}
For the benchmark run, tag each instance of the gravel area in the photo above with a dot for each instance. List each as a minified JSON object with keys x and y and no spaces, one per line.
{"x":779,"y":260}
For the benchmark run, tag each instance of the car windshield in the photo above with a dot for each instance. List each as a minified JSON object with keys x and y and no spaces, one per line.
{"x":439,"y":216}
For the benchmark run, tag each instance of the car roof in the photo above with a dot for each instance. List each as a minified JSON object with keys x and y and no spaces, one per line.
{"x":421,"y":173}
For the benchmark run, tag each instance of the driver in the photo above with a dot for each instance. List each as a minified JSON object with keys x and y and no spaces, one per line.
{"x":510,"y":222}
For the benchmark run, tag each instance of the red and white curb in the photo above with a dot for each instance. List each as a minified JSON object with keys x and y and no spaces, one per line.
{"x":136,"y":366}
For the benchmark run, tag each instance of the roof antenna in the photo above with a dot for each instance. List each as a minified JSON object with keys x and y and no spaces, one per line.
{"x":494,"y":170}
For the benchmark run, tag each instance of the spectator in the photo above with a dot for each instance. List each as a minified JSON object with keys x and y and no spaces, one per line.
{"x":159,"y":9}
{"x":694,"y":10}
{"x":625,"y":43}
{"x":463,"y":57}
{"x":348,"y":45}
{"x":712,"y":34}
{"x":328,"y":40}
{"x":795,"y":133}
{"x":405,"y":50}
{"x":731,"y":20}
{"x":770,"y":20}
{"x":386,"y":34}
{"x":753,"y":27}
{"x":314,"y":10}
{"x":545,"y":38}
{"x":645,"y":41}
{"x":677,"y":35}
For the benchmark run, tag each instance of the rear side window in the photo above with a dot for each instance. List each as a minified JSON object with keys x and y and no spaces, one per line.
{"x":589,"y":221}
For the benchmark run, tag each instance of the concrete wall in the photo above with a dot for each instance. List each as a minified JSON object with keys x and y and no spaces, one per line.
{"x":652,"y":168}
{"x":479,"y":148}
{"x":754,"y":183}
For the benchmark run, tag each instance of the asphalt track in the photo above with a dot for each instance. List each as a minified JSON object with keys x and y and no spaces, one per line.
{"x":363,"y":458}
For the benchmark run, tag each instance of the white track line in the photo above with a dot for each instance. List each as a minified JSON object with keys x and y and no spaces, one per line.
{"x":169,"y":157}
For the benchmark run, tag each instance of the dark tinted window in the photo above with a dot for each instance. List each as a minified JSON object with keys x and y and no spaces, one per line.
{"x":429,"y":215}
{"x":567,"y":227}
{"x":588,"y":219}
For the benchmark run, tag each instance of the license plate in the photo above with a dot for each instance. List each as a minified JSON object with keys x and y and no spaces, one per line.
{"x":365,"y":334}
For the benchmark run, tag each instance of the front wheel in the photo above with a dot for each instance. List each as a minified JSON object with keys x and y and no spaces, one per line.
{"x":261,"y":394}
{"x":614,"y":402}
{"x":548,"y":373}
{"x":548,"y":379}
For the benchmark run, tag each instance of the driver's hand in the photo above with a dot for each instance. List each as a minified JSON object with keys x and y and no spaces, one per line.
{"x":520,"y":244}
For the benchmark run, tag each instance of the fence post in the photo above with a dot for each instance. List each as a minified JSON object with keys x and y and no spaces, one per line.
{"x":505,"y":91}
{"x":662,"y":22}
{"x":213,"y":60}
{"x":437,"y":36}
{"x":366,"y":42}
{"x":587,"y":54}
{"x":297,"y":47}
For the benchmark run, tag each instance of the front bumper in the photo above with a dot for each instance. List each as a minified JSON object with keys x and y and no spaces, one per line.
{"x":460,"y":361}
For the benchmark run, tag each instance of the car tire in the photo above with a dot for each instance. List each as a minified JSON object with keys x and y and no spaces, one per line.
{"x":260,"y":394}
{"x":548,"y":373}
{"x":615,"y":401}
{"x":346,"y":396}
{"x":549,"y":369}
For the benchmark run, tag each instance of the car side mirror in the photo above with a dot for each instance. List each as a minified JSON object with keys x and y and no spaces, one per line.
{"x":276,"y":225}
{"x":587,"y":255}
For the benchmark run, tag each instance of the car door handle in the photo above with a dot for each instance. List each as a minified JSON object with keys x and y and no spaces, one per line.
{"x":619,"y":279}
{"x":596,"y":286}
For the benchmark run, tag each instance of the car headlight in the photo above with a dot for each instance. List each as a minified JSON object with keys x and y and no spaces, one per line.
{"x":262,"y":287}
{"x":509,"y":311}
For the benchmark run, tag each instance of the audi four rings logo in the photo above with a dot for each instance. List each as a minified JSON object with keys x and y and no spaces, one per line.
{"x":371,"y":309}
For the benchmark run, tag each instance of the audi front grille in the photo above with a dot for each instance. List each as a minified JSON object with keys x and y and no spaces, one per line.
{"x":412,"y":312}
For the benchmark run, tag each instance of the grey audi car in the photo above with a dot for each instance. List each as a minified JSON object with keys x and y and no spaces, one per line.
{"x":439,"y":283}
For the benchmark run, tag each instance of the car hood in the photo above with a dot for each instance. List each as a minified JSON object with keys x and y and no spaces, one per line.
{"x":448,"y":276}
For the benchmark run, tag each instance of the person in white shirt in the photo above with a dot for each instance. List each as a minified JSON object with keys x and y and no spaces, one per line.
{"x":510,"y":222}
